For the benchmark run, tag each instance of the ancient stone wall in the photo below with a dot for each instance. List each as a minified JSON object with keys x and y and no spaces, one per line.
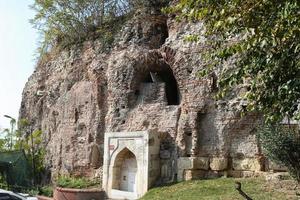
{"x":148,"y":81}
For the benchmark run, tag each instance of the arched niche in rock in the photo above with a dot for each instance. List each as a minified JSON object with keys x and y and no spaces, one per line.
{"x":125,"y":171}
{"x":151,"y":80}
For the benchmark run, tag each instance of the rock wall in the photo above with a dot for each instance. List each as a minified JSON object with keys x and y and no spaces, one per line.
{"x":148,"y":81}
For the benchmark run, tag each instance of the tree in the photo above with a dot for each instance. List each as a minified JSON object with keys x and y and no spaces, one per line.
{"x":14,"y":136}
{"x":264,"y":38}
{"x":66,"y":22}
{"x":24,"y":138}
{"x":10,"y":133}
{"x":32,"y":144}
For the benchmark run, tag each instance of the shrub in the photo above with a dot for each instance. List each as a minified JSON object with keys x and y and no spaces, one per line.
{"x":46,"y":191}
{"x":72,"y":182}
{"x":282,"y":145}
{"x":31,"y":191}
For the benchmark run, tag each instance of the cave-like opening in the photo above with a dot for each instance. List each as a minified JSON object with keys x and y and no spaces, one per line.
{"x":172,"y":92}
{"x":164,"y":74}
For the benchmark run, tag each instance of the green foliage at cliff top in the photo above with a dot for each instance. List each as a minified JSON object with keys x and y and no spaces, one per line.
{"x":264,"y":37}
{"x":65,"y":22}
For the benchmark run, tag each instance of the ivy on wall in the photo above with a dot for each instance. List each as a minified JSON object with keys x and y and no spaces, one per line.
{"x":264,"y":38}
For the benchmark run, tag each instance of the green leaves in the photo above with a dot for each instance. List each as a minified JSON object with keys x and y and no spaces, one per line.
{"x":65,"y":22}
{"x":264,"y":38}
{"x":282,"y":146}
{"x":72,"y":182}
{"x":192,"y":38}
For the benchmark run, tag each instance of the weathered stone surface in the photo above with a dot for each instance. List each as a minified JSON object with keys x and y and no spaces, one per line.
{"x":251,"y":164}
{"x":193,"y":163}
{"x":192,"y":174}
{"x":240,"y":174}
{"x":201,"y":163}
{"x":218,"y":163}
{"x":245,"y":174}
{"x":278,"y":176}
{"x":147,"y":81}
{"x":185,"y":163}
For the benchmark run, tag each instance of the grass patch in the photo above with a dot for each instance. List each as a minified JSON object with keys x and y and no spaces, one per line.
{"x":214,"y":189}
{"x":78,"y":183}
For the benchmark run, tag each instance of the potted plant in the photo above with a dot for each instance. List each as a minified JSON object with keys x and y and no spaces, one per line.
{"x":78,"y":188}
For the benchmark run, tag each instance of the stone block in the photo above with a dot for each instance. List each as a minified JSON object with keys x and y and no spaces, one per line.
{"x":185,"y":163}
{"x":248,"y":174}
{"x":278,"y":176}
{"x":276,"y":167}
{"x":215,"y":174}
{"x":194,"y":174}
{"x":180,"y":174}
{"x":234,"y":174}
{"x":241,"y":174}
{"x":201,"y":163}
{"x":246,"y":164}
{"x":218,"y":163}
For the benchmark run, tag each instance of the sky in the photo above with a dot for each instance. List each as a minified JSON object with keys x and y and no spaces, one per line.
{"x":18,"y":43}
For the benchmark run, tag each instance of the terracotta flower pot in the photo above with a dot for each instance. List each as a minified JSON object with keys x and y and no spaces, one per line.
{"x":78,"y":194}
{"x":44,"y":198}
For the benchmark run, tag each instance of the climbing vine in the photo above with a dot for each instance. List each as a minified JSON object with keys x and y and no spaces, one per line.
{"x":263,"y":37}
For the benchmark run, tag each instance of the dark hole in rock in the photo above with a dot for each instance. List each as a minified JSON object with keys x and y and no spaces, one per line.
{"x":168,"y":78}
{"x":239,"y":155}
{"x":151,"y":79}
{"x":90,"y":138}
{"x":148,"y":79}
{"x":137,"y":93}
{"x":146,"y":123}
{"x":151,"y":142}
{"x":117,"y":112}
{"x":214,"y":80}
{"x":123,"y":122}
{"x":76,"y":115}
{"x":165,"y":74}
{"x":188,"y":134}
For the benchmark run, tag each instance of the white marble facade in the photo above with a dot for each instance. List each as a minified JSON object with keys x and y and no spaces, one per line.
{"x":131,"y":163}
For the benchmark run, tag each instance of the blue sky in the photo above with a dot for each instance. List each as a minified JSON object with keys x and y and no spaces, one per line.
{"x":18,"y":41}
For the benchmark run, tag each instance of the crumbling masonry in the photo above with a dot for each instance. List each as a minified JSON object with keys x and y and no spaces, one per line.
{"x":148,"y":82}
